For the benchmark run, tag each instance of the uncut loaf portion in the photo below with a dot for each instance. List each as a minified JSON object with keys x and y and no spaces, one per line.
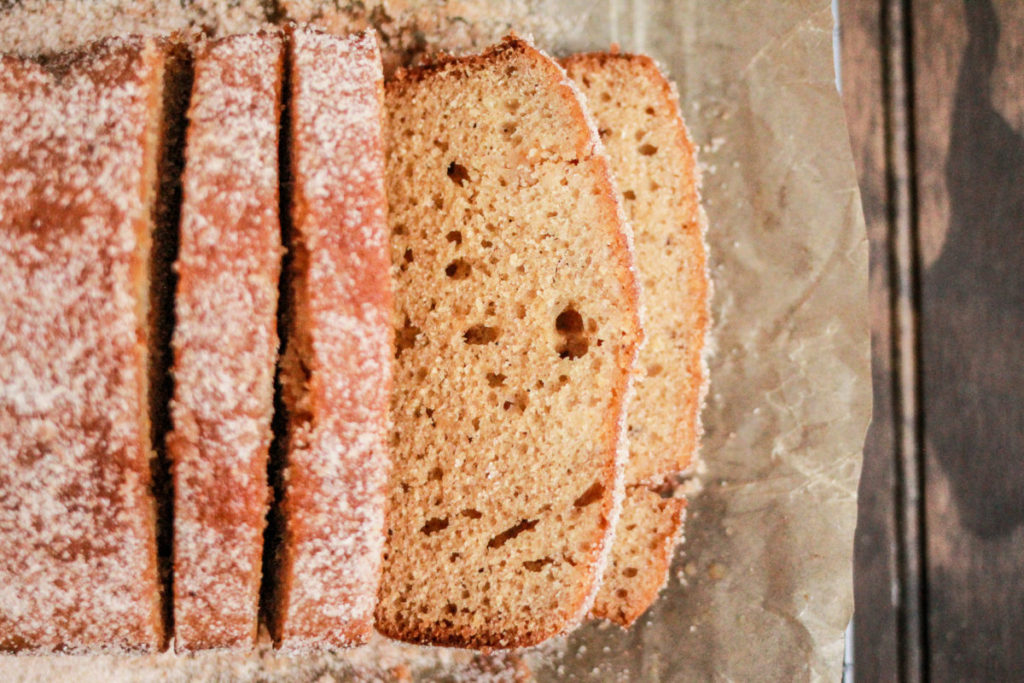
{"x":336,"y":365}
{"x":81,"y":152}
{"x":516,"y":333}
{"x":637,"y":113}
{"x":225,"y":339}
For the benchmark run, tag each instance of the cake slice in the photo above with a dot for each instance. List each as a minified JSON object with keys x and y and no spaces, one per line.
{"x":517,"y":328}
{"x":225,"y":340}
{"x":80,"y":153}
{"x":336,"y":368}
{"x":637,"y":113}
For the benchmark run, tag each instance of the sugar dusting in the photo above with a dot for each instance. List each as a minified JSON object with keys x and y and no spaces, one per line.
{"x":337,"y":461}
{"x":31,"y":27}
{"x":77,"y":529}
{"x":225,"y":339}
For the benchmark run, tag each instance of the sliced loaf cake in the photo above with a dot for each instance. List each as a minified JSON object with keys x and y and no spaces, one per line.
{"x":80,"y":151}
{"x":336,"y":366}
{"x":516,"y":332}
{"x":225,"y":340}
{"x":637,"y":113}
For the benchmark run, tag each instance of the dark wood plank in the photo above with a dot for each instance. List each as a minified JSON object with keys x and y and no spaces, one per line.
{"x":970,"y":187}
{"x":876,"y":640}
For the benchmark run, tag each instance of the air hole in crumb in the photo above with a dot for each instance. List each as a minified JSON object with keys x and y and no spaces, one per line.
{"x":399,"y":229}
{"x":486,"y":244}
{"x":509,"y":128}
{"x":647,"y":150}
{"x":654,"y":370}
{"x":629,"y":572}
{"x":520,"y":311}
{"x":569,"y":321}
{"x":451,"y":609}
{"x":441,"y":145}
{"x":640,"y":134}
{"x":454,"y":236}
{"x":605,"y":97}
{"x":507,"y":535}
{"x":629,"y":194}
{"x":650,"y":111}
{"x":433,"y":525}
{"x":537,"y":565}
{"x":459,"y":269}
{"x":408,"y":256}
{"x":438,"y":202}
{"x":495,"y":379}
{"x":604,"y":132}
{"x":622,"y":593}
{"x":574,"y":347}
{"x":405,"y":337}
{"x":512,"y":105}
{"x":481,"y":334}
{"x":436,"y":474}
{"x":655,"y":186}
{"x":591,"y":495}
{"x":476,"y":425}
{"x":471,"y":513}
{"x":458,"y":174}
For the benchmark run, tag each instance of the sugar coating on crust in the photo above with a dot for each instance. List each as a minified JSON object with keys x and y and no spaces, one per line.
{"x":336,"y":373}
{"x":78,"y":150}
{"x":225,"y":340}
{"x":516,"y":310}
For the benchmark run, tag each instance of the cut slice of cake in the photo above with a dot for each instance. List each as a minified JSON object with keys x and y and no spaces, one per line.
{"x":645,"y":541}
{"x":637,"y":113}
{"x":225,"y":340}
{"x":336,"y":367}
{"x":517,"y":329}
{"x":80,"y":152}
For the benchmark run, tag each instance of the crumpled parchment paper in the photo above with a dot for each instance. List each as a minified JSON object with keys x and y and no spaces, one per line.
{"x":762,"y":587}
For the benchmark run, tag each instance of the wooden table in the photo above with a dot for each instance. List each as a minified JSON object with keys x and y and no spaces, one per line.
{"x":934,"y":94}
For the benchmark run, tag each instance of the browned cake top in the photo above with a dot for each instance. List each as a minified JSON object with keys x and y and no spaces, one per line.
{"x":337,"y":457}
{"x":77,"y":167}
{"x":225,"y":339}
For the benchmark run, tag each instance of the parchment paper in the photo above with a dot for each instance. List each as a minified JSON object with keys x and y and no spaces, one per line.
{"x":762,"y":588}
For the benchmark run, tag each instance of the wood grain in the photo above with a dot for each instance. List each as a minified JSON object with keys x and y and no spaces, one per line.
{"x":876,"y":639}
{"x":971,"y":216}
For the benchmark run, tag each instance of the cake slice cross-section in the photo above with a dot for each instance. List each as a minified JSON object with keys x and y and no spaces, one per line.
{"x":336,"y":366}
{"x":652,"y":157}
{"x":80,"y":148}
{"x":517,"y":329}
{"x":225,"y":340}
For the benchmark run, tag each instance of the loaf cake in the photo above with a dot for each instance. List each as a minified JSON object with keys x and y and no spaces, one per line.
{"x":336,"y":367}
{"x":80,"y":157}
{"x":225,"y":340}
{"x":638,"y":117}
{"x":516,"y":332}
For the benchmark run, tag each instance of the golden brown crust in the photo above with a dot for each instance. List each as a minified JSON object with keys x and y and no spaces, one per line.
{"x":225,"y":340}
{"x":336,"y":371}
{"x":79,"y":143}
